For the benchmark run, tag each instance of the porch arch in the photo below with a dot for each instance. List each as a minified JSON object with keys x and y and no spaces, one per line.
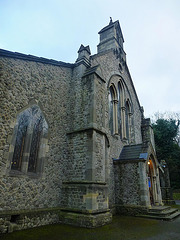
{"x":153,"y":181}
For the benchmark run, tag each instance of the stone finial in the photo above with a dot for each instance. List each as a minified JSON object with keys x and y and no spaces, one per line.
{"x":110,"y":21}
{"x":82,"y":48}
{"x":84,"y":55}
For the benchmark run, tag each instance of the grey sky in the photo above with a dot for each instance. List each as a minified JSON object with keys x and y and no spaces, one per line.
{"x":56,"y":28}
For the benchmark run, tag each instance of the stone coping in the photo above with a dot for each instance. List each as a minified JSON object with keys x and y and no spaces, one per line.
{"x":85,"y":211}
{"x":31,"y":211}
{"x":4,"y":213}
{"x":9,"y":54}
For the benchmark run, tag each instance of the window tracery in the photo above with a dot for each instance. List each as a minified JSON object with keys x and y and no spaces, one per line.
{"x":120,"y":109}
{"x":31,"y":127}
{"x":20,"y":142}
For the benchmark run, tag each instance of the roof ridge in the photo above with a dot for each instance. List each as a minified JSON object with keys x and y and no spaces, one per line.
{"x":28,"y":57}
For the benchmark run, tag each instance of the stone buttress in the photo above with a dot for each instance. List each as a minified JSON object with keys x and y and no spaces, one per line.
{"x":85,"y":196}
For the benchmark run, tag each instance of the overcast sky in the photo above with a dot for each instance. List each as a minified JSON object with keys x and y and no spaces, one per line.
{"x":56,"y":28}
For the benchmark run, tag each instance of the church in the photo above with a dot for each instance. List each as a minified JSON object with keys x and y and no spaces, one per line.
{"x":75,"y":145}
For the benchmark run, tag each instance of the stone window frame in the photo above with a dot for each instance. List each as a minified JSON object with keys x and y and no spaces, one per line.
{"x":113,"y":100}
{"x":121,"y":94}
{"x":122,"y":108}
{"x":43,"y":146}
{"x":128,"y":118}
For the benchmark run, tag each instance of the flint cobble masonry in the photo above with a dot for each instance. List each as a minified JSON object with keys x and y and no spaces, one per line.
{"x":89,"y":112}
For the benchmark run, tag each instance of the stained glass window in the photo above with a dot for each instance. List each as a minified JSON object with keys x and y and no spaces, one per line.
{"x":35,"y":143}
{"x":20,"y":143}
{"x":29,"y":130}
{"x":111,"y":96}
{"x":119,"y":109}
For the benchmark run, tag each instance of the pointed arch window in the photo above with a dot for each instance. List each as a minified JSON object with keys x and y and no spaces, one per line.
{"x":29,"y":141}
{"x":20,"y":142}
{"x":121,"y":109}
{"x":113,"y":118}
{"x":35,"y":144}
{"x":128,"y":119}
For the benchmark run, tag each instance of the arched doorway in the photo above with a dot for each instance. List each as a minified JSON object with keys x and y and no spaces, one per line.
{"x":152,"y":182}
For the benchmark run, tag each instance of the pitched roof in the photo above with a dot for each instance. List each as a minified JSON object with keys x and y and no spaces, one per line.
{"x":5,"y":53}
{"x":132,"y":152}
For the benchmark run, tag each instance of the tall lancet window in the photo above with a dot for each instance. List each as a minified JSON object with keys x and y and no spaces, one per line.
{"x":23,"y":121}
{"x":119,"y":108}
{"x":128,"y":119}
{"x":35,"y":144}
{"x":113,"y":118}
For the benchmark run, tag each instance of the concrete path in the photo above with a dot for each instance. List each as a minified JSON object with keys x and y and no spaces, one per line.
{"x":177,"y":202}
{"x":167,"y":231}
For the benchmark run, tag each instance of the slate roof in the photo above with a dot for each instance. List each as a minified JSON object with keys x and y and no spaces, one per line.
{"x":132,"y":152}
{"x":5,"y":53}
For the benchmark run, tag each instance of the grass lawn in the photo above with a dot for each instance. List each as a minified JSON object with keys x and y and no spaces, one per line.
{"x":176,"y":206}
{"x":176,"y":196}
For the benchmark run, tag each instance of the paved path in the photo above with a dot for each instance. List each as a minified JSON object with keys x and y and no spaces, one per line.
{"x":167,"y":231}
{"x":177,"y":202}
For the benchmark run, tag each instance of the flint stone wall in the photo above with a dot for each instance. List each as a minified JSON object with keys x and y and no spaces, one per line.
{"x":23,"y":220}
{"x":127,"y":184}
{"x":22,"y":82}
{"x":80,"y":146}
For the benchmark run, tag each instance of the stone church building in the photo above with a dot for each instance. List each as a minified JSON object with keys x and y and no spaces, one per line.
{"x":75,"y":147}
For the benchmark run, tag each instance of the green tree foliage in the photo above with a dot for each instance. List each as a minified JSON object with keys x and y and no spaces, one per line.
{"x":166,"y":133}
